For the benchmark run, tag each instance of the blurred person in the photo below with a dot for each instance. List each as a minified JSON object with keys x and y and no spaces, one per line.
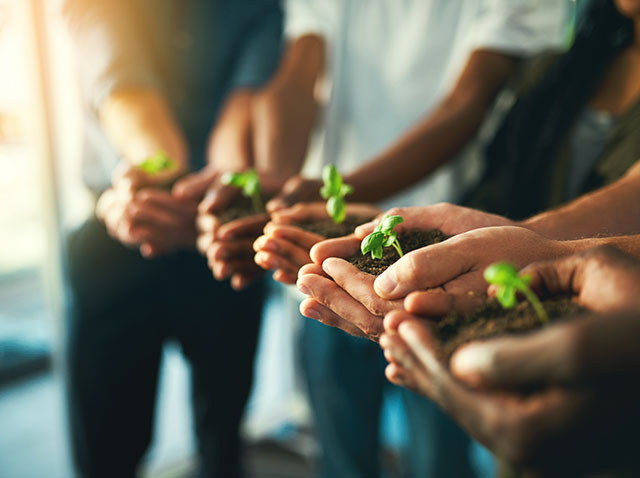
{"x":600,"y":155}
{"x":409,"y":86}
{"x":557,"y":401}
{"x":176,"y":77}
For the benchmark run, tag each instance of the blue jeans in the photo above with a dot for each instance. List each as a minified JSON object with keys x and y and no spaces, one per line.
{"x":346,"y":381}
{"x":123,"y":309}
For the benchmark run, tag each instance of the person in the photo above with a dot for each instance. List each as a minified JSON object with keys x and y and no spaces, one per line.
{"x":603,"y":212}
{"x":394,"y":107}
{"x":581,"y":375}
{"x":174,"y":79}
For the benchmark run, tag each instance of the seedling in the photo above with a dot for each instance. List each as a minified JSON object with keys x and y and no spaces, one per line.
{"x":505,"y":276}
{"x":382,"y":236}
{"x":249,"y":183}
{"x":157,"y":163}
{"x":334,"y":191}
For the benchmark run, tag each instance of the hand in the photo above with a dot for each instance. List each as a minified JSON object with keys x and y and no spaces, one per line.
{"x":296,"y":189}
{"x":448,"y":275}
{"x":449,"y":218}
{"x":285,"y":247}
{"x":558,"y":427}
{"x":604,"y":279}
{"x":150,"y":219}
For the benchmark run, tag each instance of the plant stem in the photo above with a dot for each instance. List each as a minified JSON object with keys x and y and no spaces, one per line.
{"x":536,"y":304}
{"x":257,"y":203}
{"x":396,"y":245}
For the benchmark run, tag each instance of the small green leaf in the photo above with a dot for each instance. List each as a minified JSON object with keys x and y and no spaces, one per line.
{"x":332,"y":180}
{"x":390,"y":238}
{"x":389,"y":222}
{"x":501,"y":273}
{"x":376,"y":253}
{"x":251,"y":183}
{"x":337,"y":209}
{"x":346,"y":190}
{"x":506,"y":295}
{"x":371,"y":242}
{"x":157,"y":163}
{"x":234,"y":179}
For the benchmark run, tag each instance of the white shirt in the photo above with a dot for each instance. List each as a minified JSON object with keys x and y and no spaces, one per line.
{"x":391,"y":61}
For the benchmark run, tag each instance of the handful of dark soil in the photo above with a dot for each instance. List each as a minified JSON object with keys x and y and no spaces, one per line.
{"x":409,"y":241}
{"x":240,"y":208}
{"x":329,"y":229}
{"x":492,"y":320}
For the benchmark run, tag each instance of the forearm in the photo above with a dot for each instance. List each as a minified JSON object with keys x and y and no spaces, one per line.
{"x":139,"y":122}
{"x":612,"y":210}
{"x":440,"y":135}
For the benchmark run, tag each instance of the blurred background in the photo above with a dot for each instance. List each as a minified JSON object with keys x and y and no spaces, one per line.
{"x":41,"y":198}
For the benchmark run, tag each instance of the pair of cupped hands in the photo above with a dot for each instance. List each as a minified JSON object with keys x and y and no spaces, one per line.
{"x":542,"y":401}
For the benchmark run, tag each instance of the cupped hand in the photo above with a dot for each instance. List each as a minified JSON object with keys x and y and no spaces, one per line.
{"x":284,"y":247}
{"x":449,"y":218}
{"x":296,"y":189}
{"x":149,"y":219}
{"x":437,"y":278}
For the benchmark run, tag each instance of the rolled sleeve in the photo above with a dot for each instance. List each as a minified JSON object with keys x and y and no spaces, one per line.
{"x":521,"y":27}
{"x":112,"y":54}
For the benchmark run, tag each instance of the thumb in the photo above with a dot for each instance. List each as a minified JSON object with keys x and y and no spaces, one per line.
{"x":194,"y":186}
{"x":425,"y":268}
{"x":293,"y":190}
{"x":515,"y":362}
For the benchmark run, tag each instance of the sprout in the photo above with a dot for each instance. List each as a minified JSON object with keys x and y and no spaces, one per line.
{"x":505,"y":276}
{"x":334,"y":191}
{"x":157,"y":163}
{"x":382,"y":236}
{"x":250,"y":185}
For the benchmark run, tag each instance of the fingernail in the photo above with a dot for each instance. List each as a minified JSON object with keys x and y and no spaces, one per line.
{"x":304,"y":289}
{"x":472,"y":362}
{"x":386,"y":283}
{"x":312,"y":314}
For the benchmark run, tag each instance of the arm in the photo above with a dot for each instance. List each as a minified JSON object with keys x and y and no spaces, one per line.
{"x":606,"y":211}
{"x":439,"y":135}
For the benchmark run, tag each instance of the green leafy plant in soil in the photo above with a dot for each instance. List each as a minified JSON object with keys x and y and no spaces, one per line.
{"x":334,"y":191}
{"x":382,"y":236}
{"x":505,"y":277}
{"x":157,"y":163}
{"x":249,"y":183}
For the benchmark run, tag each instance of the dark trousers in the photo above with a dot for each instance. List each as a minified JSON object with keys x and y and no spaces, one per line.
{"x":123,"y":308}
{"x":346,"y":382}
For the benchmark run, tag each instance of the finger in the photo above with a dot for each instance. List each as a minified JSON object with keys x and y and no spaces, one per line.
{"x":314,"y":310}
{"x":246,"y":227}
{"x":424,"y":346}
{"x":293,"y":234}
{"x":342,"y":304}
{"x":217,"y":198}
{"x":228,"y":250}
{"x":207,"y":223}
{"x":397,"y":351}
{"x":394,"y":318}
{"x":284,"y":277}
{"x":439,"y":302}
{"x":224,"y":269}
{"x":194,"y":186}
{"x":358,"y":285}
{"x":512,"y":362}
{"x":296,"y":189}
{"x":164,"y":199}
{"x":300,"y":212}
{"x":242,"y":281}
{"x":312,"y":269}
{"x":140,"y":212}
{"x":294,"y":254}
{"x":367,"y":228}
{"x":340,"y":247}
{"x":397,"y":376}
{"x":269,"y":261}
{"x":421,"y":269}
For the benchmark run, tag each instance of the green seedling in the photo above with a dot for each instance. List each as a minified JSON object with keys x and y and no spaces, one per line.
{"x":383,"y":236}
{"x":249,"y":183}
{"x":505,"y":276}
{"x":334,"y":191}
{"x":159,"y":162}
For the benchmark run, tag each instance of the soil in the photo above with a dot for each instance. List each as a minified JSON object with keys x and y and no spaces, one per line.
{"x":409,"y":241}
{"x":329,"y":229}
{"x":240,"y":208}
{"x":491,"y":320}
